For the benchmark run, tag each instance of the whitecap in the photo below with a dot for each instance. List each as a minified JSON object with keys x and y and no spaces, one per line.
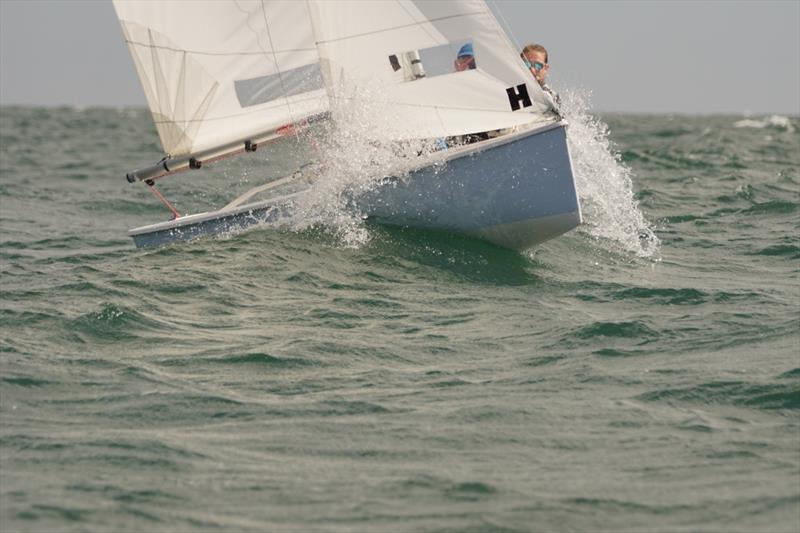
{"x":773,"y":121}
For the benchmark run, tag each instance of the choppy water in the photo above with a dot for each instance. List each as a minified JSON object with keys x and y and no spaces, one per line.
{"x":641,"y":374}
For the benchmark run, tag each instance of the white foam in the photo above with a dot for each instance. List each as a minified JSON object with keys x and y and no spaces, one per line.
{"x":355,"y":153}
{"x":773,"y":121}
{"x":604,"y":183}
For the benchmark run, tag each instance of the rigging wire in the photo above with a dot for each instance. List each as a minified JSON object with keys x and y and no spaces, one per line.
{"x":277,"y":66}
{"x":506,"y":25}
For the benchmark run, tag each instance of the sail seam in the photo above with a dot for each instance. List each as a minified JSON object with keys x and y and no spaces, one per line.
{"x":422,"y":24}
{"x":198,"y":52}
{"x":439,"y":106}
{"x":257,"y":33}
{"x":234,"y":115}
{"x":457,"y":108}
{"x":393,"y":28}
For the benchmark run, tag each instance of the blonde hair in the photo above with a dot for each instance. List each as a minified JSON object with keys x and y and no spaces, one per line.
{"x":534,"y":48}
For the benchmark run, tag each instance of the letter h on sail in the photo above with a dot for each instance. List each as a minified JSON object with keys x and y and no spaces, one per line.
{"x":518,"y":94}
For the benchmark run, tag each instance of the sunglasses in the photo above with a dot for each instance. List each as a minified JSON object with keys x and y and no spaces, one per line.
{"x":535,"y":65}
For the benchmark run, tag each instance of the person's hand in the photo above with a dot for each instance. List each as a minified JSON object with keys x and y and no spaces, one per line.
{"x":464,"y":63}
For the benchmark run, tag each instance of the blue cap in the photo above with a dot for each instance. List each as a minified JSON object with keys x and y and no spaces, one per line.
{"x":466,"y":50}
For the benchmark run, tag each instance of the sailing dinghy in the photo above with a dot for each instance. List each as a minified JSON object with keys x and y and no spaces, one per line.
{"x":224,"y":77}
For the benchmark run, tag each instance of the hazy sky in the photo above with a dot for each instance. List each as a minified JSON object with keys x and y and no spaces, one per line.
{"x":635,"y":56}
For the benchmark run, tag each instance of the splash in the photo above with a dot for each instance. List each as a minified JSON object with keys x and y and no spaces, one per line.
{"x":604,"y":183}
{"x":355,"y":151}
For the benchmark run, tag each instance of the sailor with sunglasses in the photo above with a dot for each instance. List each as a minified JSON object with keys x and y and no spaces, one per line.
{"x":535,"y":58}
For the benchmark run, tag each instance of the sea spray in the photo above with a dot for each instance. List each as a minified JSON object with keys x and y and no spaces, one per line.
{"x":604,"y":183}
{"x":355,"y":151}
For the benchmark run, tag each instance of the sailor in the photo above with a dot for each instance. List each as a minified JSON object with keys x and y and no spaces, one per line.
{"x":535,"y":57}
{"x":465,"y":59}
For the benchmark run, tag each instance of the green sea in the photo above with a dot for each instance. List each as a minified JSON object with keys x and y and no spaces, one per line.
{"x":641,"y":373}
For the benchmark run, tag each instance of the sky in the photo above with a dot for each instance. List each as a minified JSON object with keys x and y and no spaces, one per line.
{"x":645,"y":56}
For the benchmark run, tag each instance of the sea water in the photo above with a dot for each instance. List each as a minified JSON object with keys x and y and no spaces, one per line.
{"x":641,"y":373}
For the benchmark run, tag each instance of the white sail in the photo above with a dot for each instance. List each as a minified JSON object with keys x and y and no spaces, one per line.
{"x":356,"y":41}
{"x":220,"y":71}
{"x":217,"y":73}
{"x":221,"y":75}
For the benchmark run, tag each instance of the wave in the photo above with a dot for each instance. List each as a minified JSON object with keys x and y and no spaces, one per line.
{"x":112,"y":323}
{"x":773,"y":121}
{"x":768,"y":396}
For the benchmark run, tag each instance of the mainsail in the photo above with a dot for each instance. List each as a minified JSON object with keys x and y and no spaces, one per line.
{"x":355,"y":40}
{"x":216,"y":72}
{"x":220,"y":75}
